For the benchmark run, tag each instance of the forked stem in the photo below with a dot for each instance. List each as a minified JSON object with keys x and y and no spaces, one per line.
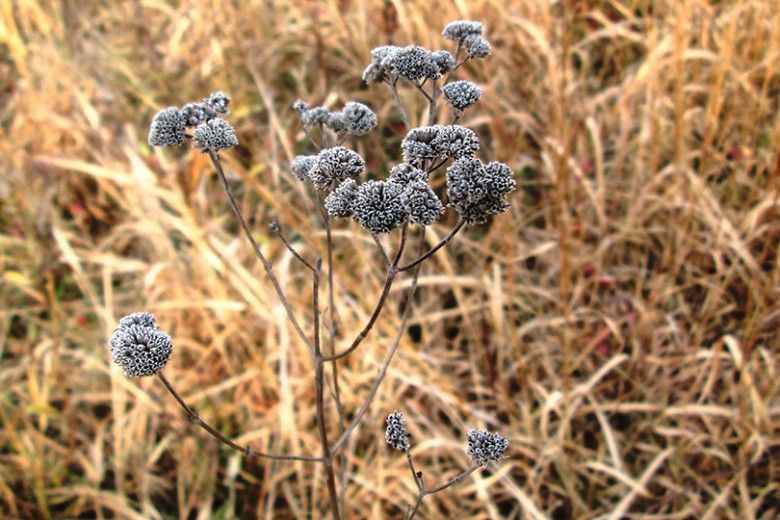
{"x":423,"y":491}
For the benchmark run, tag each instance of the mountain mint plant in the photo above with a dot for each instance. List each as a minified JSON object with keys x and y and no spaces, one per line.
{"x":401,"y":202}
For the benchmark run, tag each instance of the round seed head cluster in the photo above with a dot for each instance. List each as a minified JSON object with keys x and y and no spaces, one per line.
{"x":404,"y":174}
{"x":359,"y":118}
{"x":461,"y":94}
{"x":314,"y":116}
{"x":167,"y":128}
{"x":301,"y":166}
{"x":395,"y":433}
{"x":336,"y":122}
{"x":418,"y":146}
{"x":455,"y":141}
{"x":413,"y":63}
{"x":300,"y":105}
{"x":335,"y":165}
{"x":218,"y":101}
{"x":215,"y":134}
{"x":197,"y":113}
{"x":444,"y":60}
{"x":459,"y":30}
{"x":379,"y":206}
{"x":477,"y":46}
{"x":339,"y":201}
{"x":141,"y":350}
{"x":422,"y":204}
{"x":484,"y":446}
{"x":477,"y":191}
{"x":378,"y":70}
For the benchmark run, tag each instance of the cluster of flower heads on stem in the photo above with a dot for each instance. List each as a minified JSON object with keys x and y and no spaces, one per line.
{"x":138,"y":345}
{"x":211,"y":132}
{"x":354,"y":119}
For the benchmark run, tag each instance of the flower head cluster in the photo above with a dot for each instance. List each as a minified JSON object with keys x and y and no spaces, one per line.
{"x":211,"y":132}
{"x":428,"y":142}
{"x":139,"y":346}
{"x":359,"y":119}
{"x":477,"y":46}
{"x":218,"y":101}
{"x":214,"y":135}
{"x":477,"y":190}
{"x":418,"y":146}
{"x":459,"y":30}
{"x":484,"y":446}
{"x":356,"y":118}
{"x":396,"y":434}
{"x":461,"y":94}
{"x":412,"y":63}
{"x":339,"y":202}
{"x":167,"y":128}
{"x":422,"y":204}
{"x":379,"y":206}
{"x":197,"y":113}
{"x":406,"y":173}
{"x":334,"y":165}
{"x":301,"y":166}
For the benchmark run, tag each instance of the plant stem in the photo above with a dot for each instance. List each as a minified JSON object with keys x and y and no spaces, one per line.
{"x":292,"y":250}
{"x":266,"y":265}
{"x":429,"y":491}
{"x":435,"y":248}
{"x":394,"y":88}
{"x":194,"y":417}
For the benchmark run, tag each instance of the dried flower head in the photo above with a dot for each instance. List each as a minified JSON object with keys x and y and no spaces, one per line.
{"x":477,"y":46}
{"x":422,"y":204}
{"x":379,"y":206}
{"x":167,"y":128}
{"x":460,"y":29}
{"x":455,"y":141}
{"x":140,"y":350}
{"x":215,"y":134}
{"x":417,"y":146}
{"x":444,"y":60}
{"x":359,"y":118}
{"x":412,"y":62}
{"x":335,"y":165}
{"x":218,"y":101}
{"x":395,"y":433}
{"x":484,"y":446}
{"x":378,"y":70}
{"x":336,"y":122}
{"x":405,"y":174}
{"x":300,"y":105}
{"x":461,"y":94}
{"x":339,"y":201}
{"x":315,"y":116}
{"x":477,"y":191}
{"x":145,"y":319}
{"x":301,"y":166}
{"x":197,"y":113}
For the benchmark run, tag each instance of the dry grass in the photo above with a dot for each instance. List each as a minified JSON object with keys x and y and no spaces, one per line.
{"x":619,"y":326}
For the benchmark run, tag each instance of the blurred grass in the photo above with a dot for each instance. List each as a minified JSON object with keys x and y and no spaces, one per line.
{"x":619,"y":326}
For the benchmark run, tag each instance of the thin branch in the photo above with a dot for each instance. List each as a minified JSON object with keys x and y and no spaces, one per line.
{"x":400,"y":105}
{"x":195,"y":418}
{"x":311,"y":138}
{"x":429,"y":491}
{"x":419,"y":87}
{"x":436,"y":166}
{"x":416,"y":476}
{"x":266,"y":265}
{"x":275,"y":228}
{"x":435,"y":248}
{"x":381,"y":250}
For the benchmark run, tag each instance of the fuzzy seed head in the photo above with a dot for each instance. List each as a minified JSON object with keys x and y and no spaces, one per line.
{"x":461,"y":94}
{"x":422,"y":204}
{"x":395,"y":432}
{"x":418,"y":146}
{"x":218,"y":101}
{"x":301,"y":166}
{"x":197,"y":113}
{"x":477,"y":46}
{"x":145,"y":319}
{"x":444,"y":60}
{"x":315,"y":116}
{"x":460,"y":29}
{"x":359,"y":118}
{"x":300,"y":105}
{"x":455,"y":141}
{"x":404,"y":174}
{"x":379,"y":206}
{"x":336,"y":122}
{"x":140,"y":350}
{"x":215,"y":134}
{"x":378,"y":70}
{"x":339,"y":202}
{"x":335,"y":164}
{"x":412,"y":63}
{"x":484,"y":446}
{"x":167,"y":128}
{"x":477,"y":191}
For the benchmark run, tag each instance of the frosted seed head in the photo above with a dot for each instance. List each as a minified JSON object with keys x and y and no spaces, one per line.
{"x":218,"y":101}
{"x":405,"y":174}
{"x":301,"y":166}
{"x":418,"y":146}
{"x":461,"y":94}
{"x":395,"y":432}
{"x":477,"y":191}
{"x":460,"y":29}
{"x":359,"y":118}
{"x":412,"y":63}
{"x":422,"y":204}
{"x":300,"y":105}
{"x":483,"y":446}
{"x":197,"y":113}
{"x":339,"y":201}
{"x":145,"y":319}
{"x":379,"y":207}
{"x":444,"y":61}
{"x":336,"y":122}
{"x":167,"y":128}
{"x":215,"y":134}
{"x":139,"y":350}
{"x":334,"y":165}
{"x":315,"y":116}
{"x":477,"y":46}
{"x":455,"y":141}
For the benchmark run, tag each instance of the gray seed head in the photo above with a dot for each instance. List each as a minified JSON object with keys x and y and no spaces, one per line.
{"x":300,"y":105}
{"x":484,"y":446}
{"x":215,"y":134}
{"x":314,"y":116}
{"x":444,"y":60}
{"x":412,"y":62}
{"x":461,"y":94}
{"x":336,"y":122}
{"x":376,"y":71}
{"x":460,"y":29}
{"x":301,"y":166}
{"x":218,"y":101}
{"x":395,"y":432}
{"x":359,"y":118}
{"x":477,"y":191}
{"x":167,"y":128}
{"x":404,"y":174}
{"x":422,"y":204}
{"x":455,"y":141}
{"x":335,"y":165}
{"x":144,"y":319}
{"x":379,"y":206}
{"x":339,"y":201}
{"x":140,"y":351}
{"x":197,"y":113}
{"x":477,"y":46}
{"x":417,"y":146}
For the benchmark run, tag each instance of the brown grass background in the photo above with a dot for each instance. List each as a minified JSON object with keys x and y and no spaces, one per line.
{"x":618,"y":325}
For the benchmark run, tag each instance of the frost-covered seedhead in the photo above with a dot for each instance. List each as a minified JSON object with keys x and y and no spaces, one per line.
{"x":477,"y":191}
{"x":300,"y":105}
{"x":167,"y":128}
{"x":315,"y":116}
{"x":215,"y":134}
{"x":477,"y":46}
{"x":359,"y":118}
{"x":339,"y":201}
{"x":140,"y":350}
{"x":395,"y":432}
{"x":197,"y":113}
{"x":218,"y":101}
{"x":460,"y":29}
{"x":336,"y":122}
{"x":444,"y":60}
{"x":145,"y":319}
{"x":301,"y":166}
{"x":335,"y":165}
{"x":413,"y":63}
{"x":417,"y":146}
{"x":405,"y":174}
{"x":461,"y":94}
{"x":379,"y":206}
{"x":484,"y":446}
{"x":455,"y":141}
{"x":376,"y":70}
{"x":422,"y":204}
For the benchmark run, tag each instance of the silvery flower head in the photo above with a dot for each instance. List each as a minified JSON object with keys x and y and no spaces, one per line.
{"x":336,"y":122}
{"x":218,"y":101}
{"x":197,"y":113}
{"x":484,"y":446}
{"x":145,"y":319}
{"x":395,"y":432}
{"x":167,"y":128}
{"x":422,"y":204}
{"x":444,"y":60}
{"x":359,"y":118}
{"x":339,"y":202}
{"x":405,"y":174}
{"x":477,"y":46}
{"x":214,"y":135}
{"x":412,"y":62}
{"x":460,"y":29}
{"x":300,"y":105}
{"x":455,"y":141}
{"x":477,"y":191}
{"x":140,"y":350}
{"x":377,"y":70}
{"x":461,"y":94}
{"x":335,"y":165}
{"x":417,"y":146}
{"x":379,"y":206}
{"x":301,"y":166}
{"x":315,"y":116}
